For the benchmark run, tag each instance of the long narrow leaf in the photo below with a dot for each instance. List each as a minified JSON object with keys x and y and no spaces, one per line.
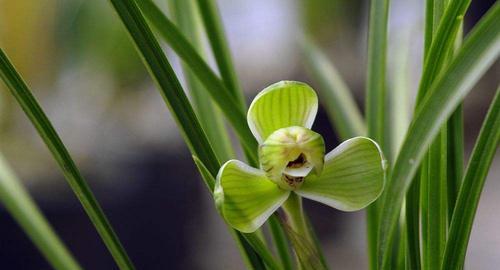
{"x":30,"y":106}
{"x":186,"y":15}
{"x":435,"y":191}
{"x":24,"y":210}
{"x":334,"y":93}
{"x":470,"y":191}
{"x":375,"y":102}
{"x":220,"y":47}
{"x":436,"y":212}
{"x":455,"y":146}
{"x":479,"y":51}
{"x":442,"y":41}
{"x":168,"y":85}
{"x":413,"y":226}
{"x":455,"y":157}
{"x":280,"y":243}
{"x":219,"y":92}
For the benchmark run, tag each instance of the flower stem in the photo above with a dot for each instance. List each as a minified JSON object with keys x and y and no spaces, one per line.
{"x":295,"y":215}
{"x":307,"y":253}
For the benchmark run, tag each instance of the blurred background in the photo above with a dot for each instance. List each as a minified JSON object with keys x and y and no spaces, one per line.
{"x":85,"y":72}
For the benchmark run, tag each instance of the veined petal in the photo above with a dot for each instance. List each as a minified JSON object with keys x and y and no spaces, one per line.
{"x":283,"y":104}
{"x":352,"y":178}
{"x":245,"y":196}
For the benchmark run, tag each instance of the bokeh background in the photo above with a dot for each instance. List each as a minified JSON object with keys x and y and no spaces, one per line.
{"x":82,"y":67}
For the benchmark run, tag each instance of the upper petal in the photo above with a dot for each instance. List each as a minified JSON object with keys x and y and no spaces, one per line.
{"x":283,"y":104}
{"x":245,"y":197}
{"x":352,"y":178}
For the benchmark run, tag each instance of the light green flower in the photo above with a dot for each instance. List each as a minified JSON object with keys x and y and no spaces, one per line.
{"x":292,"y":159}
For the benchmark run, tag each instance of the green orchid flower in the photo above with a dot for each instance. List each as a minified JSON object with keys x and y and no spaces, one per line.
{"x":292,"y":160}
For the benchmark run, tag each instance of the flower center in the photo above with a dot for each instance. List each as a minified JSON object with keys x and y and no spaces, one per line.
{"x":289,"y":154}
{"x":297,"y":163}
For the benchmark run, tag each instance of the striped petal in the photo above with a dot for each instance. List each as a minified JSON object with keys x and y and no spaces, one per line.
{"x":245,"y":196}
{"x":283,"y":104}
{"x":352,"y":178}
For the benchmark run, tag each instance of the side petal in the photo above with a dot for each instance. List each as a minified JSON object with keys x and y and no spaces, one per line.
{"x":283,"y":104}
{"x":353,"y":176}
{"x":245,"y":196}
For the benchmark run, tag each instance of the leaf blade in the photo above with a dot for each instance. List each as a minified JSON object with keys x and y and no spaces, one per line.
{"x":471,"y":188}
{"x":187,"y":18}
{"x":24,"y":210}
{"x":375,"y":103}
{"x":219,"y":92}
{"x":333,"y":91}
{"x":34,"y":112}
{"x":479,"y":51}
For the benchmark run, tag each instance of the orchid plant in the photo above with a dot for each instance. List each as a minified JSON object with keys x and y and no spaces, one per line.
{"x":293,"y":163}
{"x":424,"y":218}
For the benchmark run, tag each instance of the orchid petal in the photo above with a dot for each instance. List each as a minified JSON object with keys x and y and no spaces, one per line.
{"x":352,"y":178}
{"x":283,"y":104}
{"x":245,"y":196}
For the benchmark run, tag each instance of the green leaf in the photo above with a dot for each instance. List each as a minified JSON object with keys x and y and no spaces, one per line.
{"x":353,"y":176}
{"x":283,"y":104}
{"x":220,"y":48}
{"x":187,"y":17}
{"x":169,"y":86}
{"x":229,"y":105}
{"x":334,"y":93}
{"x":280,"y":242}
{"x":376,"y":101}
{"x":24,"y":210}
{"x":413,"y":226}
{"x":436,"y":213}
{"x":455,"y":156}
{"x":443,"y":38}
{"x":480,"y":50}
{"x":167,"y":82}
{"x":434,"y":191}
{"x":245,"y":196}
{"x":34,"y":112}
{"x":472,"y":186}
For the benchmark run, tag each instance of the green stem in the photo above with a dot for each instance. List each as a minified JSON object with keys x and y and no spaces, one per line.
{"x":307,"y":254}
{"x":295,"y":216}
